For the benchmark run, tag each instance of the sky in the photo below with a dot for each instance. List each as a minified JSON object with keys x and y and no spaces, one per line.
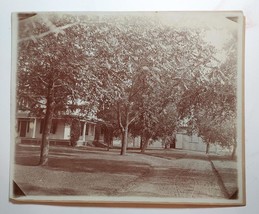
{"x":218,"y":27}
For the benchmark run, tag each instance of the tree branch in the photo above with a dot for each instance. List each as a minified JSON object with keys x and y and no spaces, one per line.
{"x":53,"y":29}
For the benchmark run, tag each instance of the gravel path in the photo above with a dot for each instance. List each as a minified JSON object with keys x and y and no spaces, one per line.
{"x":181,"y":178}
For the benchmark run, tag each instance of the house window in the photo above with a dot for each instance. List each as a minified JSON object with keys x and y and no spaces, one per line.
{"x":23,"y":127}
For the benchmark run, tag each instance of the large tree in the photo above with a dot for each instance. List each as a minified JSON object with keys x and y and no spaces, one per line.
{"x":148,"y":67}
{"x":210,"y":106}
{"x":134,"y":68}
{"x":54,"y":77}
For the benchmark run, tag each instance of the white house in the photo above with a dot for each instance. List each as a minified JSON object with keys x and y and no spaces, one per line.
{"x":195,"y":143}
{"x":29,"y":130}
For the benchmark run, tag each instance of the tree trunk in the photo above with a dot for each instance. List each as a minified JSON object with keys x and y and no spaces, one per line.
{"x":207,"y":148}
{"x":167,"y":142}
{"x":108,"y":137}
{"x":44,"y":150}
{"x":124,"y":128}
{"x":145,"y":144}
{"x":108,"y":142}
{"x":141,"y":142}
{"x":124,"y":141}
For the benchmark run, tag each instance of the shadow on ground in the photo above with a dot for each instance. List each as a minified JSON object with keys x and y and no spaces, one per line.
{"x":73,"y":161}
{"x":97,"y":165}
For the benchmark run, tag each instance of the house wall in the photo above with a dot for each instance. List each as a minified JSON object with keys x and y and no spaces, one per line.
{"x":30,"y":133}
{"x":38,"y":122}
{"x":59,"y":134}
{"x":186,"y":142}
{"x":91,"y":133}
{"x":193,"y":143}
{"x":133,"y":142}
{"x":29,"y":127}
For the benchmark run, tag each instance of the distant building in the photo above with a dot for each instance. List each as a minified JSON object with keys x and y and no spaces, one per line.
{"x":189,"y":142}
{"x":195,"y":143}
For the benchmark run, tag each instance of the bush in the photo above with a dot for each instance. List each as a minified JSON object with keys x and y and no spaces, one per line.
{"x":75,"y":131}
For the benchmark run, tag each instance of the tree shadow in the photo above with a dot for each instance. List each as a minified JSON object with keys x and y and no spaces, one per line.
{"x":73,"y":161}
{"x":32,"y":160}
{"x":96,"y":166}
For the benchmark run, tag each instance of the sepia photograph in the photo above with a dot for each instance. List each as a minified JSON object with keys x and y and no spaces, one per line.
{"x":135,"y":108}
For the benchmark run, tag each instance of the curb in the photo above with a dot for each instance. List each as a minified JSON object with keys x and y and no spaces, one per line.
{"x":219,"y":179}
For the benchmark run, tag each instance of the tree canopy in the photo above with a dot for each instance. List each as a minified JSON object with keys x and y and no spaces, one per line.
{"x":137,"y":73}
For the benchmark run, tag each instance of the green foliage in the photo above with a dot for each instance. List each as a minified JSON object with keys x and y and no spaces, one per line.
{"x":149,"y":74}
{"x":137,"y":73}
{"x":53,"y":59}
{"x":210,"y":109}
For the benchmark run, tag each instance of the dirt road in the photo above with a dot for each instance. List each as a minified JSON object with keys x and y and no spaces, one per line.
{"x":82,"y":171}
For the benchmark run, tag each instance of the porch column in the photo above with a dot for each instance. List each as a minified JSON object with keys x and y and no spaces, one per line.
{"x":84,"y":130}
{"x":34,"y":128}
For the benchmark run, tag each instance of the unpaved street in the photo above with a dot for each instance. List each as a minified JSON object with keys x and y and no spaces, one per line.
{"x":184,"y":178}
{"x":89,"y":172}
